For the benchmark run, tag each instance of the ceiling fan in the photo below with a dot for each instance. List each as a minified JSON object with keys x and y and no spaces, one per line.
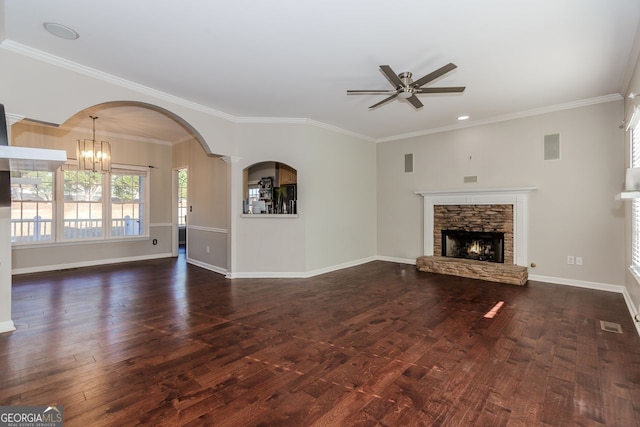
{"x":406,"y":88}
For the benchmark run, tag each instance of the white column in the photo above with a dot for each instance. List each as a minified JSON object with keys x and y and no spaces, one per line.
{"x":234,"y":200}
{"x":6,"y":323}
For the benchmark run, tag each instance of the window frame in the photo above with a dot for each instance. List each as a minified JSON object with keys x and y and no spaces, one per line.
{"x":634,"y":161}
{"x":58,"y":238}
{"x":16,"y":181}
{"x":143,"y":203}
{"x":183,"y":202}
{"x":60,"y":208}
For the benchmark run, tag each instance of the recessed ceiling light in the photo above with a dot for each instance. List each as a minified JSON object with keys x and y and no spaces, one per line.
{"x":61,"y":31}
{"x":463,"y":117}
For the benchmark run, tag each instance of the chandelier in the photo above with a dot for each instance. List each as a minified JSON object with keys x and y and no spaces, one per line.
{"x":94,"y":155}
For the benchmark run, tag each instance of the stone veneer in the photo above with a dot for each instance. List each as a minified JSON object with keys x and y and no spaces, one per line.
{"x":483,"y":218}
{"x":483,"y":270}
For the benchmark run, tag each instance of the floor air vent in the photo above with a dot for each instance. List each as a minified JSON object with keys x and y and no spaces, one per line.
{"x":610,"y":327}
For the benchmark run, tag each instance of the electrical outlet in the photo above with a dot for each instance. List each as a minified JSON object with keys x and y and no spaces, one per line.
{"x":578,"y":260}
{"x":571,"y":259}
{"x":208,"y":249}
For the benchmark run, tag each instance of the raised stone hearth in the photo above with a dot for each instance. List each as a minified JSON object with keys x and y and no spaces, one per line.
{"x":493,"y":272}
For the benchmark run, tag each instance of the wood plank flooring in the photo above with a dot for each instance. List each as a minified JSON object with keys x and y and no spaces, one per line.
{"x":165,"y":343}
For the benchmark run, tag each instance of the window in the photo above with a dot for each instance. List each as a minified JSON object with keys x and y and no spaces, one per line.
{"x":82,"y":215}
{"x":73,"y":205}
{"x":254,"y":193}
{"x":32,"y":206}
{"x":182,"y":197}
{"x":635,"y":206}
{"x":127,"y":204}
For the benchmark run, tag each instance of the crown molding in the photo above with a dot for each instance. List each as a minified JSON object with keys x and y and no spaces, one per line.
{"x":507,"y":117}
{"x":270,"y":120}
{"x":101,"y":75}
{"x":106,"y":134}
{"x":339,"y":130}
{"x":295,"y":121}
{"x":101,"y":133}
{"x":13,"y":118}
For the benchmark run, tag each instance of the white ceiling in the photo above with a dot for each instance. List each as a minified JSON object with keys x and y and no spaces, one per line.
{"x":297,"y":58}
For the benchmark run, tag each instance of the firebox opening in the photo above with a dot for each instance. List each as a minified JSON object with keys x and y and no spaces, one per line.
{"x":477,"y":245}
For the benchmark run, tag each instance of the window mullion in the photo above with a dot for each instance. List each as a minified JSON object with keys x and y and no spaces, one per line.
{"x":58,"y":203}
{"x":106,"y":205}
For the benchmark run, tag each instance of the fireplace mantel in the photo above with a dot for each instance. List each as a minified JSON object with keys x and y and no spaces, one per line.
{"x":477,"y":191}
{"x":516,"y":196}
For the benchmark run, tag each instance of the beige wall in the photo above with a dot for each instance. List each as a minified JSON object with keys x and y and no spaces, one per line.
{"x":355,"y":202}
{"x":207,"y":188}
{"x":126,"y":152}
{"x":340,"y":199}
{"x":573,"y":211}
{"x":269,"y":246}
{"x":336,"y":202}
{"x":50,"y":93}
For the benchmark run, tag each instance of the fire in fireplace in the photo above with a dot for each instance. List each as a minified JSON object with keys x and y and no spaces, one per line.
{"x":478,"y":245}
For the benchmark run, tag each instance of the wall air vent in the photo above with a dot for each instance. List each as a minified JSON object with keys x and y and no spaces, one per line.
{"x":408,"y":163}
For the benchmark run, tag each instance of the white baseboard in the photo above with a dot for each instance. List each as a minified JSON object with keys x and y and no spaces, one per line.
{"x":632,"y":309}
{"x":596,"y":286}
{"x":578,"y":283}
{"x":43,"y":268}
{"x":299,"y":274}
{"x":411,"y":261}
{"x":266,"y":275}
{"x":206,"y":266}
{"x":336,"y":267}
{"x":7,"y":326}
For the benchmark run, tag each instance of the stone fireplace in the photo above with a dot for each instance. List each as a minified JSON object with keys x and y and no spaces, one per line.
{"x":493,"y":220}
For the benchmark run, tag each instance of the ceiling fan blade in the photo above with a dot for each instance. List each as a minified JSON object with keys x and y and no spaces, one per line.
{"x":391,"y":76}
{"x":440,"y":89}
{"x":415,"y":101}
{"x":434,"y":75}
{"x":370,"y":92}
{"x":384,"y":101}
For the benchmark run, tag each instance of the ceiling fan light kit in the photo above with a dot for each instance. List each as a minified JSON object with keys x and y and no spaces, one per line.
{"x":406,"y":88}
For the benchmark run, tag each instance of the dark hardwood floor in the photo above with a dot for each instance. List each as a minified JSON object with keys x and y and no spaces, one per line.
{"x":164,"y":343}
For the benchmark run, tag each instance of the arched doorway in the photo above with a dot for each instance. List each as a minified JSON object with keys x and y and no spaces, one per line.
{"x":148,"y":142}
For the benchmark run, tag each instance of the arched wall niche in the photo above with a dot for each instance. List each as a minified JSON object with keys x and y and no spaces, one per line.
{"x":270,"y":187}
